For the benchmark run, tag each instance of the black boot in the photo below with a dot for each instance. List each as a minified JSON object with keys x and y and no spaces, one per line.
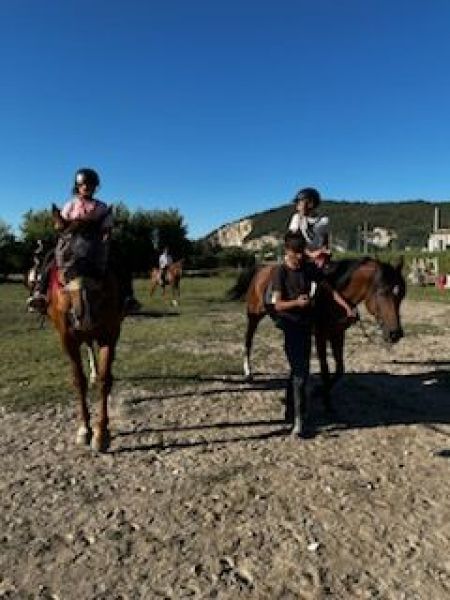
{"x":289,"y":403}
{"x":301,"y":427}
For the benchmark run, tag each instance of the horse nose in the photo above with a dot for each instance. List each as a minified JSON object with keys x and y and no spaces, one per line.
{"x":396,"y":335}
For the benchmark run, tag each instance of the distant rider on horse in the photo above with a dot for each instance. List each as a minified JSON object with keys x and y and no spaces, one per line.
{"x":165,"y":261}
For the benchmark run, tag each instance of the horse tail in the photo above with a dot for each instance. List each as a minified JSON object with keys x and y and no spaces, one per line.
{"x":242,"y":284}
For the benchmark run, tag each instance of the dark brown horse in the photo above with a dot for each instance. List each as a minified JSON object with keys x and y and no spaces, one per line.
{"x":84,"y":307}
{"x":379,"y":285}
{"x":172,"y":279}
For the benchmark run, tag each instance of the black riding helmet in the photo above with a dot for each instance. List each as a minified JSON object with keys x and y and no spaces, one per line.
{"x":88,"y":176}
{"x":308,"y":194}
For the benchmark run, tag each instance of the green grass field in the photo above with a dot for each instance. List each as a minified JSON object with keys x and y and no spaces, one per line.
{"x":160,"y":348}
{"x":164,"y":348}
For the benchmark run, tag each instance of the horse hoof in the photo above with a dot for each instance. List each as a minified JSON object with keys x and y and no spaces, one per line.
{"x":100,"y":442}
{"x":84,"y":436}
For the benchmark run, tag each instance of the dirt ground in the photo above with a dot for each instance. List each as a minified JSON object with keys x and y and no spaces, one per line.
{"x":204,"y":494}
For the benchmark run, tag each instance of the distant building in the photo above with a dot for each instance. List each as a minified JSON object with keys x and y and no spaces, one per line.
{"x":381,"y":237}
{"x":439,"y":239}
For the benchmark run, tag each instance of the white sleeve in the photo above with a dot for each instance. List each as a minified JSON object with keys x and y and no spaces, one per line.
{"x":294,"y":224}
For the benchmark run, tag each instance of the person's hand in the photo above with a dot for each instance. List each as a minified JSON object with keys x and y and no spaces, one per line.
{"x":303,"y":300}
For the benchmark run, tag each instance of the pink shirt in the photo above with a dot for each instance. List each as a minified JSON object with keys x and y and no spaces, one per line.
{"x":87,"y":210}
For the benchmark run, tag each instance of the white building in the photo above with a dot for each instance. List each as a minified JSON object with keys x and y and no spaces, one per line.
{"x":439,"y":240}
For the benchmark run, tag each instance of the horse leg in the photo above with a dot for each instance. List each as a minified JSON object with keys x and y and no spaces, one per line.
{"x":321,"y":349}
{"x":84,"y":432}
{"x":253,"y":320}
{"x":175,"y":292}
{"x":153,"y":285}
{"x":337,"y":347}
{"x":93,"y":369}
{"x":101,"y":438}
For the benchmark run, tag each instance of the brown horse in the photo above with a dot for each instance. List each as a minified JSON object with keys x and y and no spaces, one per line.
{"x":84,"y":307}
{"x":379,"y":285}
{"x":172,"y":279}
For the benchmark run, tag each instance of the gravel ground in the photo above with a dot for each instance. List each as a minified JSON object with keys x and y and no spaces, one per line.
{"x":204,"y":494}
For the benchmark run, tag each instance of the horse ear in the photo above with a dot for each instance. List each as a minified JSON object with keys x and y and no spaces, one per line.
{"x":399,"y":263}
{"x":58,"y":221}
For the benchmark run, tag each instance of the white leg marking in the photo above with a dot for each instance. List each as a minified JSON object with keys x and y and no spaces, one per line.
{"x":92,"y":365}
{"x":83,"y":436}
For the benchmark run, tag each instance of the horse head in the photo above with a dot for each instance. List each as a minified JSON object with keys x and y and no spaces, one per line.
{"x":384,"y":298}
{"x":81,"y":259}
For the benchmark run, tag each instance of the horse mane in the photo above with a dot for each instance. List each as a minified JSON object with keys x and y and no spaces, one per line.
{"x":242,"y":284}
{"x":342,"y":271}
{"x":389,"y":274}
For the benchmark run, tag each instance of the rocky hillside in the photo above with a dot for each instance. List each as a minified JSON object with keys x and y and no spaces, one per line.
{"x":409,"y":224}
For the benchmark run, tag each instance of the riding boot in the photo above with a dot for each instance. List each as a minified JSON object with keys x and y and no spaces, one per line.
{"x":300,"y":407}
{"x":289,"y":403}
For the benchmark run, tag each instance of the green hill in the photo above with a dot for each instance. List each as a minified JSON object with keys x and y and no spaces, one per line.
{"x":412,"y":221}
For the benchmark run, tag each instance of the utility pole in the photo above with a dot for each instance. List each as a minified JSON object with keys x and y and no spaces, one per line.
{"x":365,"y":237}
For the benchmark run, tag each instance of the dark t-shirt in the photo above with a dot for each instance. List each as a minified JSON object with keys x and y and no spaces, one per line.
{"x":293,"y":282}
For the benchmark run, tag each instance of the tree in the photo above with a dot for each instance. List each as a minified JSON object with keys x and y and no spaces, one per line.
{"x":143,"y":234}
{"x":38,"y":226}
{"x":8,"y":250}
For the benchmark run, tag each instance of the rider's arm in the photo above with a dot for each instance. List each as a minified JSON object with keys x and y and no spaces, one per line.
{"x":317,"y":253}
{"x":345,"y":305}
{"x":340,"y":300}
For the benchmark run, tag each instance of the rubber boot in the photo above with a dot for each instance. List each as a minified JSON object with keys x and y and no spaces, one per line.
{"x":300,"y":408}
{"x":289,"y":403}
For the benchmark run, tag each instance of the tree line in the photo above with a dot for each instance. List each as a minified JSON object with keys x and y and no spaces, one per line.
{"x":141,"y":234}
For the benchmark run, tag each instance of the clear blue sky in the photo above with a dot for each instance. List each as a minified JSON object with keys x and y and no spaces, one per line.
{"x":222,"y":109}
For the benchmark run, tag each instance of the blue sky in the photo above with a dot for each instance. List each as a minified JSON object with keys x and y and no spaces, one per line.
{"x":222,"y":109}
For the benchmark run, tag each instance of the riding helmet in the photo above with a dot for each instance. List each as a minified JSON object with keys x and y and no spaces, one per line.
{"x":88,"y":176}
{"x":308,"y":194}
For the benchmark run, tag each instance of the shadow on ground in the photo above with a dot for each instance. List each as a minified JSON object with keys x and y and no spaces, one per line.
{"x":360,"y":400}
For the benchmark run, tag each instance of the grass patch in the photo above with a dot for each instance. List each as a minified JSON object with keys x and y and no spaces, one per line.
{"x":164,"y":348}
